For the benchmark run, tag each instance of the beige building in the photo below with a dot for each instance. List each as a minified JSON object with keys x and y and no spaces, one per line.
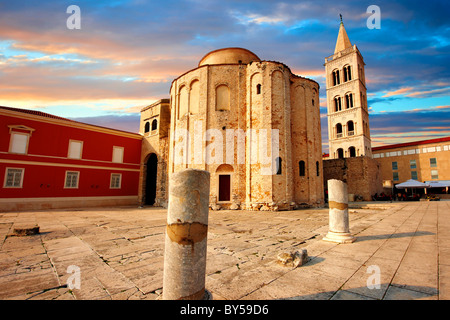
{"x":427,"y":160}
{"x":253,"y":124}
{"x":348,"y":116}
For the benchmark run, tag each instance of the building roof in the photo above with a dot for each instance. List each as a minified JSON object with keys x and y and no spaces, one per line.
{"x":229,"y":56}
{"x":343,"y":42}
{"x":160,"y":101}
{"x":36,"y":113}
{"x":414,"y":143}
{"x":73,"y":122}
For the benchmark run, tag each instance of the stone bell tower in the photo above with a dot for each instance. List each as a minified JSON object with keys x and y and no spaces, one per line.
{"x":348,"y":116}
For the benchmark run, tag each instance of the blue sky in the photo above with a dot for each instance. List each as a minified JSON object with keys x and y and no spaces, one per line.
{"x":127,"y":53}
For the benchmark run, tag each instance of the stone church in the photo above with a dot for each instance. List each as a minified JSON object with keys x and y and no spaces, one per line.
{"x":252,"y":123}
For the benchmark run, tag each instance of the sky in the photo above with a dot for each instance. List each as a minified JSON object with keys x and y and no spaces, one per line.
{"x":126,"y":54}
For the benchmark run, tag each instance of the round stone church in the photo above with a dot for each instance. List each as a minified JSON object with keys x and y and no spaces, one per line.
{"x":252,"y":123}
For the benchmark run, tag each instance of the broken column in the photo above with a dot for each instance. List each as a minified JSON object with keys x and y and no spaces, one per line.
{"x":186,"y":235}
{"x":339,"y":230}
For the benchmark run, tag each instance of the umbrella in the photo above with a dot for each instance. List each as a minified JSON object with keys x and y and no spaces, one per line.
{"x":439,"y":184}
{"x":412,"y":184}
{"x":436,"y":184}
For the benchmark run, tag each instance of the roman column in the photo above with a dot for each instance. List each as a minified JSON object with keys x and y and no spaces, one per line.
{"x":339,"y":230}
{"x":186,"y":235}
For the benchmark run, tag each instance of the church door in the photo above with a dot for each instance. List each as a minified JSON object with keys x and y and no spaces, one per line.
{"x":224,"y":187}
{"x":150,"y":186}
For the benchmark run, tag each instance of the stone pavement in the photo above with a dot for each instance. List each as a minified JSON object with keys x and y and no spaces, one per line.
{"x":119,"y":254}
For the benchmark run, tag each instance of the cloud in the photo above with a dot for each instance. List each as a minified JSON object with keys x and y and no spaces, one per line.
{"x":401,"y":91}
{"x":128,"y":52}
{"x":406,"y":126}
{"x":128,"y":122}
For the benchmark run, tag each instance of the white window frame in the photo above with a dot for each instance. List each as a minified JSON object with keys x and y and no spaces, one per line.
{"x":433,"y":165}
{"x":78,"y":179}
{"x":69,"y":149}
{"x":121,"y":156}
{"x":436,"y":175}
{"x":21,"y":178}
{"x":11,"y":142}
{"x":111,"y":186}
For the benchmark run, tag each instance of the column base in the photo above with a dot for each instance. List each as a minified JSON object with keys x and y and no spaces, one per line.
{"x":339,"y":237}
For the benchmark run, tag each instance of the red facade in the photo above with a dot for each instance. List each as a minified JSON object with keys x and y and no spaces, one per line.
{"x":35,"y":160}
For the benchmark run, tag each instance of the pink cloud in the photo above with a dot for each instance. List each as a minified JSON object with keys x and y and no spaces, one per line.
{"x":398,"y":92}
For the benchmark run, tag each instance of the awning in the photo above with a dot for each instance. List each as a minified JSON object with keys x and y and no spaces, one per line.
{"x":412,"y":184}
{"x":438,"y":183}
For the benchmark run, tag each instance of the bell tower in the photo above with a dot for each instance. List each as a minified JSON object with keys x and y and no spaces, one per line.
{"x":348,"y":116}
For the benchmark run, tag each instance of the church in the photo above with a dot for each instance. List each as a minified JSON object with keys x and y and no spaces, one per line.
{"x":252,"y":123}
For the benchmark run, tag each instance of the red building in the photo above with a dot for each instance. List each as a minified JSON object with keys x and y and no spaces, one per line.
{"x":52,"y":162}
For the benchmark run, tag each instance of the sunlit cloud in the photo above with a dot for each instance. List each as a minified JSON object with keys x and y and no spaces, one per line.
{"x":401,"y":91}
{"x":127,"y":54}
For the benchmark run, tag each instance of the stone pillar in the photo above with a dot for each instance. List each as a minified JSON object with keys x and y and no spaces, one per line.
{"x":186,"y":235}
{"x":339,"y":230}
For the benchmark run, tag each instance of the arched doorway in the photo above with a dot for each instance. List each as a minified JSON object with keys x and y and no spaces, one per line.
{"x":224,"y":186}
{"x":352,"y":151}
{"x":150,"y":181}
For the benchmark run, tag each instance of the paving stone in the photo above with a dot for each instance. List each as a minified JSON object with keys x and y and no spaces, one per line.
{"x":396,"y":293}
{"x":120,"y":254}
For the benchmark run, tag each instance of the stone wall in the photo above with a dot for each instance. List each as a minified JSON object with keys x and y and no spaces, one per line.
{"x":362,"y":175}
{"x":155,"y":142}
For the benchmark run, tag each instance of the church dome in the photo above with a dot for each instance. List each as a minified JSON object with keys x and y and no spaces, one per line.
{"x":229,"y":56}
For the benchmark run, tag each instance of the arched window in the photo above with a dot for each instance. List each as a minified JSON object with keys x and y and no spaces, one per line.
{"x":336,"y":78}
{"x":301,"y":168}
{"x":337,"y":104}
{"x":351,"y":128}
{"x":347,"y":73}
{"x":349,"y":100}
{"x":147,"y":127}
{"x":340,"y":153}
{"x":314,"y":95}
{"x":154,"y":124}
{"x":258,"y":89}
{"x":194,"y":97}
{"x":352,"y":152}
{"x":222,"y":98}
{"x":278,"y":165}
{"x":183,"y":102}
{"x":339,"y":130}
{"x":317,"y":168}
